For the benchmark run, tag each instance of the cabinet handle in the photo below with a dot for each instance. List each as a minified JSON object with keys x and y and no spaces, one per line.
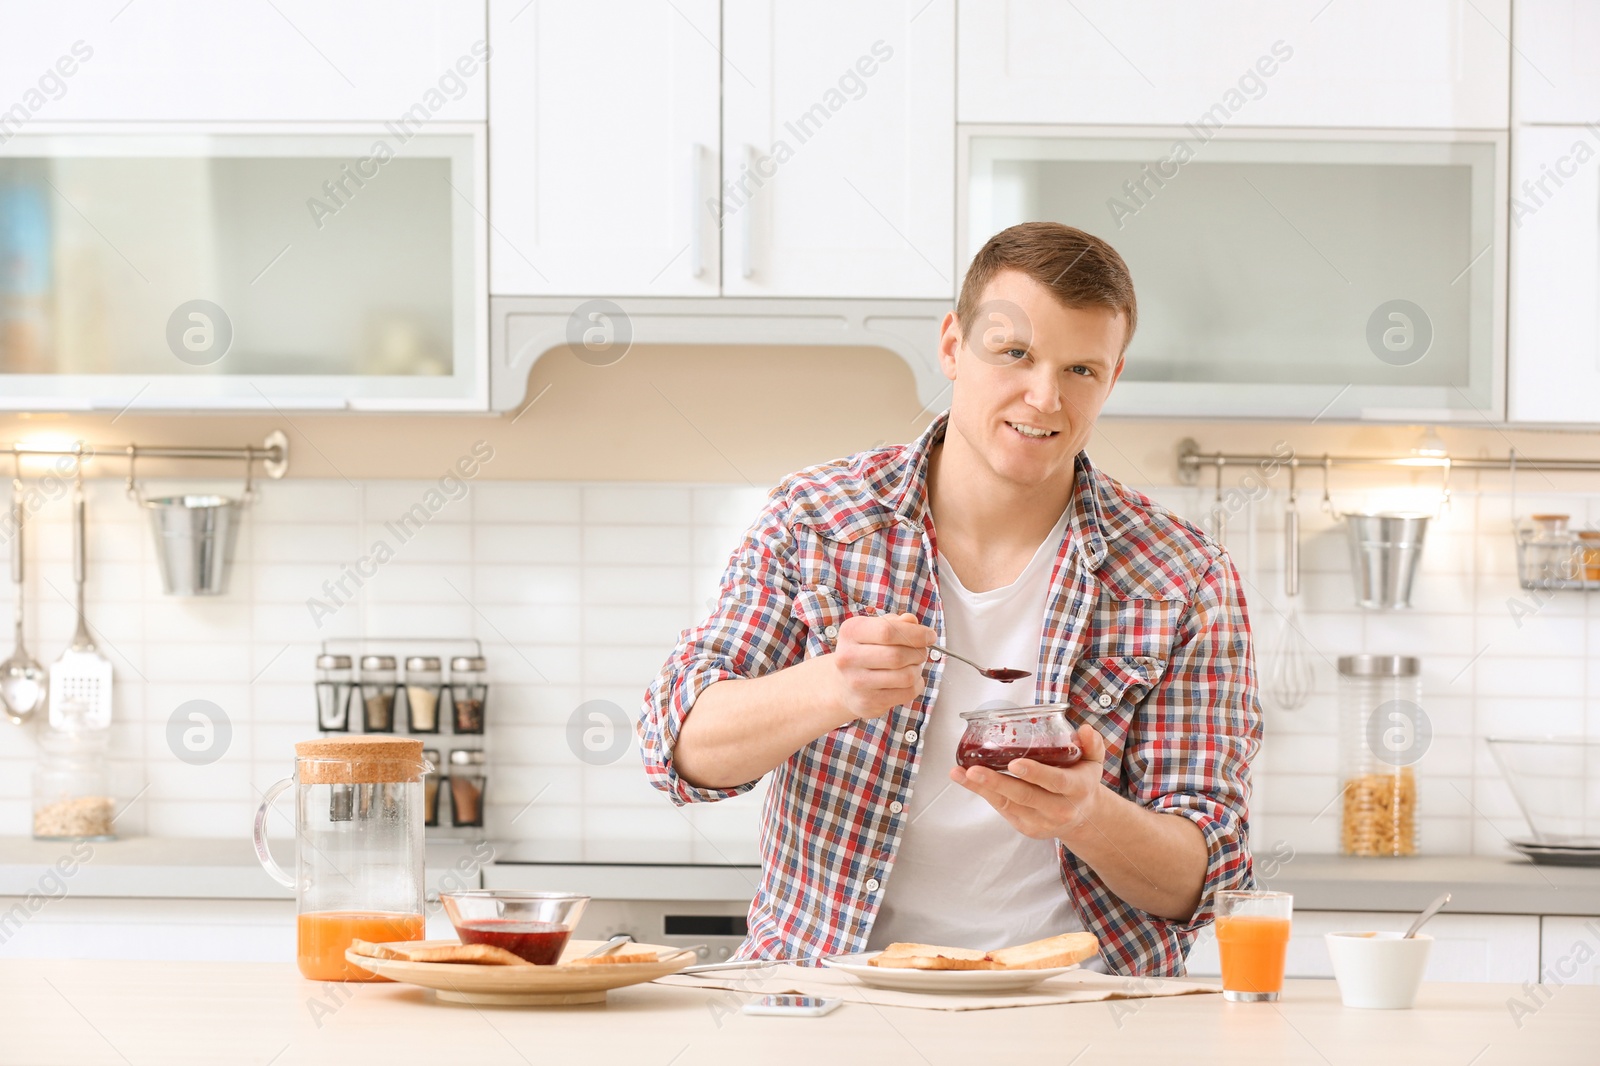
{"x":697,"y":182}
{"x":746,"y":264}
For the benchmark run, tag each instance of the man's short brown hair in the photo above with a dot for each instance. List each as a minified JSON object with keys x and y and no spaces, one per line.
{"x":1079,"y":268}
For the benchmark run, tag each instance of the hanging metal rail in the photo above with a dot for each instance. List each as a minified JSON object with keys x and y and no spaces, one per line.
{"x":1191,"y":460}
{"x":272,"y":454}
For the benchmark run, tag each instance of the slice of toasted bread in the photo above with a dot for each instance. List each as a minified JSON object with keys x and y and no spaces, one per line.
{"x":617,"y":956}
{"x":482,"y":954}
{"x":929,"y":957}
{"x":376,"y":951}
{"x":1063,"y":950}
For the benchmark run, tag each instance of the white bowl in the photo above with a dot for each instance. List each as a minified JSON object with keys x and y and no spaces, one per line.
{"x":1379,"y":971}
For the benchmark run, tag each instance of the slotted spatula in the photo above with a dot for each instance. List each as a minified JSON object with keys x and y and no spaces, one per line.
{"x":80,"y":680}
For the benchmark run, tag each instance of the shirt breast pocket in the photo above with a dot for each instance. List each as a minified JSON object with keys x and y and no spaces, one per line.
{"x":1114,"y":684}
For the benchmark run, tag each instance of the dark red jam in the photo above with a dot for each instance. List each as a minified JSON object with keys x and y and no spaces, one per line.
{"x":999,"y":757}
{"x":538,"y":943}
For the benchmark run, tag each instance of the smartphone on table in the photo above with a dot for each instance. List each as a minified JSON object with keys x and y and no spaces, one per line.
{"x":789,"y":1006}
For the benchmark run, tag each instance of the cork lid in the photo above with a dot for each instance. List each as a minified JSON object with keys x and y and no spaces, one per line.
{"x":359,"y":759}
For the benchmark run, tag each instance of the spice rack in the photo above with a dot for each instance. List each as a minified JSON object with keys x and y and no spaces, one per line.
{"x":420,"y":703}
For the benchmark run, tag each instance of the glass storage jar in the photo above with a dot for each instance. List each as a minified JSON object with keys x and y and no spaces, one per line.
{"x":334,"y":681}
{"x":1382,"y":733}
{"x":423,"y":681}
{"x":71,"y":786}
{"x":996,"y":735}
{"x":379,"y":679}
{"x":469,"y":692}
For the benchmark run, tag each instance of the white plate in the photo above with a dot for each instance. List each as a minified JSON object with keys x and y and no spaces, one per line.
{"x":948,"y":982}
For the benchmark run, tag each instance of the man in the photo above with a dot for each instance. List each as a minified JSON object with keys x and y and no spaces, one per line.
{"x":994,"y":535}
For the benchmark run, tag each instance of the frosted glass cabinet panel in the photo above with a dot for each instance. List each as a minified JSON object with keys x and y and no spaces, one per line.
{"x":1306,"y":274}
{"x":242,"y":270}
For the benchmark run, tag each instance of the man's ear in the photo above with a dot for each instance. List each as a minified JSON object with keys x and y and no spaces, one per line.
{"x":950,"y":341}
{"x":1122,"y":363}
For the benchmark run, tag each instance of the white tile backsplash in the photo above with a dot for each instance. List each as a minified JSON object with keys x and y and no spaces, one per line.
{"x":579,"y":591}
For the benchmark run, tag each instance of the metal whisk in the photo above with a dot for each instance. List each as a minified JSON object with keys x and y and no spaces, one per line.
{"x":1293,"y":675}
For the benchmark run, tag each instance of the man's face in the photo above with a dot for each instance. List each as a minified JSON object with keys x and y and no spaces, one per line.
{"x":1029,"y":364}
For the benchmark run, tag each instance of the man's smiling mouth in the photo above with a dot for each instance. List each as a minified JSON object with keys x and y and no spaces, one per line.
{"x":1032,"y":432}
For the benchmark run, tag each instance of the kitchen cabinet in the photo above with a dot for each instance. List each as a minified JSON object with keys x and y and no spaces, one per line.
{"x":1350,"y":274}
{"x":188,"y":929}
{"x":290,"y":60}
{"x":1439,"y":64}
{"x":259,"y":265}
{"x":838,"y":149}
{"x":1553,"y":74}
{"x":604,"y":162}
{"x":1554,"y":363}
{"x":1569,"y":950}
{"x":1467,"y":947}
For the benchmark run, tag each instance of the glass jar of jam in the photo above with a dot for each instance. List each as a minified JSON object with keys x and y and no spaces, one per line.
{"x":995,"y":736}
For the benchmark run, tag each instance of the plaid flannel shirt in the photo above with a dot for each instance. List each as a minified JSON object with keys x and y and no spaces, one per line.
{"x":1145,"y":635}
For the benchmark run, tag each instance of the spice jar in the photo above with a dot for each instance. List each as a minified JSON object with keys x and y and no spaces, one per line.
{"x":466,"y":788}
{"x":430,"y":787}
{"x":1589,"y":554}
{"x":334,"y":677}
{"x":1552,"y":550}
{"x":378,"y":682}
{"x":71,"y":786}
{"x":469,"y":692}
{"x":423,"y":682}
{"x":1382,"y":733}
{"x":995,"y":736}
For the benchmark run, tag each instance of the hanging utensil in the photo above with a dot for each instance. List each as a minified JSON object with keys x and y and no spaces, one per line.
{"x":80,"y":680}
{"x":1294,"y":674}
{"x":23,"y":682}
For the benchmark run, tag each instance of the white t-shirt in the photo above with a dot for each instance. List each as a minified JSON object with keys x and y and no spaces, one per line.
{"x":963,"y":877}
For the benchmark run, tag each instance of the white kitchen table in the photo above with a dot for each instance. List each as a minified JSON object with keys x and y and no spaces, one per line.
{"x":165,"y":1013}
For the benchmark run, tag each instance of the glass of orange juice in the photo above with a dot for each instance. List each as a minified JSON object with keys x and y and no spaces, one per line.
{"x":1253,"y":938}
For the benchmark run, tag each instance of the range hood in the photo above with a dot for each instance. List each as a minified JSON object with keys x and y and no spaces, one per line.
{"x":525,"y":329}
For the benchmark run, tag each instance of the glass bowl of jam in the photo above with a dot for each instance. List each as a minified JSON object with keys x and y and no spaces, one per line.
{"x":534,"y":926}
{"x":996,"y":735}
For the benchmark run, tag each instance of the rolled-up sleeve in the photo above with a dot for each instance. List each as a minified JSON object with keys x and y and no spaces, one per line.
{"x":751,"y":632}
{"x":1190,"y":746}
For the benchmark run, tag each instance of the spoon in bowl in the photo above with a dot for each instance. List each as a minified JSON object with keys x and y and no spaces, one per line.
{"x":23,"y":681}
{"x":1433,"y":908}
{"x":995,"y":674}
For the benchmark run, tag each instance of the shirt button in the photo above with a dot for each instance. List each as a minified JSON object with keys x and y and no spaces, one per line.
{"x":1105,"y":699}
{"x":896,"y":807}
{"x":872,"y":884}
{"x":911,"y":736}
{"x":831,"y":632}
{"x":935,"y":654}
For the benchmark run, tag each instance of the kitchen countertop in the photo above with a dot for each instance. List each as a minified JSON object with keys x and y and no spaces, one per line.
{"x":1477,"y":884}
{"x":132,"y":1013}
{"x":226,"y":868}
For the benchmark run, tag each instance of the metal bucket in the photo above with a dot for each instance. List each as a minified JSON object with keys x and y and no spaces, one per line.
{"x":195,"y":536}
{"x":1384,"y":552}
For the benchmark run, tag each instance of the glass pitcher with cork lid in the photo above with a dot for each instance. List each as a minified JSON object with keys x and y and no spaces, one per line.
{"x":358,"y":865}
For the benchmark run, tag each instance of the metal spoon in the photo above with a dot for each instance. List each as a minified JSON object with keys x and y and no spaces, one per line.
{"x":996,"y":674}
{"x":1433,"y":908}
{"x":23,"y":682}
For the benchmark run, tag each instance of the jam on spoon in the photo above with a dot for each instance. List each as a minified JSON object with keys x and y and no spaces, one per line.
{"x":995,"y":674}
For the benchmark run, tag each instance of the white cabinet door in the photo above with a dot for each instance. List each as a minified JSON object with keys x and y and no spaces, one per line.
{"x":1466,"y":947}
{"x":1554,"y":77}
{"x":197,"y":930}
{"x":838,"y":140}
{"x":1554,"y":362}
{"x":1440,"y":64}
{"x":603,"y":147}
{"x":1569,"y":950}
{"x":195,"y":60}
